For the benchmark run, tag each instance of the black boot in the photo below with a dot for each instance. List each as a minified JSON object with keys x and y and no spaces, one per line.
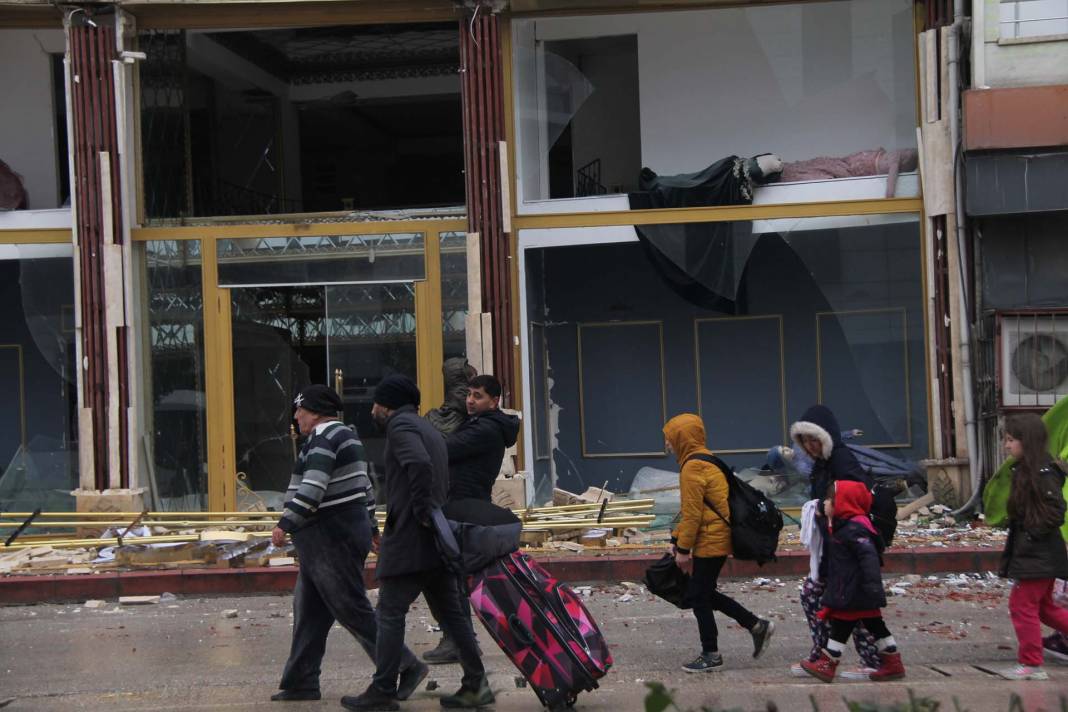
{"x":295,"y":696}
{"x":445,"y":653}
{"x":370,"y":700}
{"x":466,"y":699}
{"x":410,"y":678}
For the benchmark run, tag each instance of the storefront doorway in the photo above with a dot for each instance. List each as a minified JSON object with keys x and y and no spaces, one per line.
{"x":284,"y":338}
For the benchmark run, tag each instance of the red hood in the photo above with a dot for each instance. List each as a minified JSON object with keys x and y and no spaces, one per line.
{"x":852,"y":501}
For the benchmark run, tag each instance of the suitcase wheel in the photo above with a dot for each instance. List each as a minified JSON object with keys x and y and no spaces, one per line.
{"x":567,"y":703}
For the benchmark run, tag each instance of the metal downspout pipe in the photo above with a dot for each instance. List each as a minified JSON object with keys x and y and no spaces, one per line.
{"x":965,"y":326}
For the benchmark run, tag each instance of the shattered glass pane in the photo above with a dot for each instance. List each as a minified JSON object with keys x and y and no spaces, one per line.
{"x":454,"y":293}
{"x":824,"y":310}
{"x":39,"y":426}
{"x":177,"y":423}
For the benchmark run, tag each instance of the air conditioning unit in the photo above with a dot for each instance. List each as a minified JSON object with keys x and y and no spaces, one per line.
{"x":1033,"y":356}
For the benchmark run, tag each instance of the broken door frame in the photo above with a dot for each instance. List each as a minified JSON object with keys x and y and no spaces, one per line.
{"x":218,"y":334}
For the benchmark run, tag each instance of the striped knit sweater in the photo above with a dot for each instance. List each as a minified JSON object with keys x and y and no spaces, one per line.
{"x":331,"y":470}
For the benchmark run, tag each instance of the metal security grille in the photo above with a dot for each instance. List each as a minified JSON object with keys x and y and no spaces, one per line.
{"x":165,"y":146}
{"x":175,"y":305}
{"x":454,"y":285}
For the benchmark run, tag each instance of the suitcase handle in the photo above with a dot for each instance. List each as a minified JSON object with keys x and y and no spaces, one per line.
{"x":520,"y":630}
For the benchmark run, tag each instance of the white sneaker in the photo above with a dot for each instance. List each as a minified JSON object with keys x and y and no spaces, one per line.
{"x":859,"y":672}
{"x":1024,"y":672}
{"x":797,"y":671}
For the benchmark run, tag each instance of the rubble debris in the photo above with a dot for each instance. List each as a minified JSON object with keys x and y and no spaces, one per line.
{"x":568,"y":545}
{"x":229,"y":613}
{"x":534,"y":537}
{"x":906,"y":511}
{"x":138,"y":600}
{"x":94,"y":603}
{"x":595,"y":537}
{"x":282,"y":561}
{"x":138,"y":554}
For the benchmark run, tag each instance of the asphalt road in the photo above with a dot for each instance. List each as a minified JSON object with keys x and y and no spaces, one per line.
{"x":184,"y":655}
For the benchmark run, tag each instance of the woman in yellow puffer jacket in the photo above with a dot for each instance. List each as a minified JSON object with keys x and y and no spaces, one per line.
{"x":702,"y":542}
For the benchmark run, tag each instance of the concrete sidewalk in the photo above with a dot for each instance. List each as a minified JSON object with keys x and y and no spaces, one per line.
{"x":605,"y":566}
{"x":184,"y":655}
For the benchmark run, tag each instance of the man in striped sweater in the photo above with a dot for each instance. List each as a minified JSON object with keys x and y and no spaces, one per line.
{"x":330,"y":515}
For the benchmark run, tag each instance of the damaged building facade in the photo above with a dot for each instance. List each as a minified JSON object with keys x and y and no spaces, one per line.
{"x":209,"y":205}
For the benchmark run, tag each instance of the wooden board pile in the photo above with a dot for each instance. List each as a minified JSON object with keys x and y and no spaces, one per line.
{"x":235,"y":539}
{"x":215,"y":553}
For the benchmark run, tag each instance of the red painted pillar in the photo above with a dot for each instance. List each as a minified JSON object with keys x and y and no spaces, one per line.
{"x":98,"y":225}
{"x":483,"y":108}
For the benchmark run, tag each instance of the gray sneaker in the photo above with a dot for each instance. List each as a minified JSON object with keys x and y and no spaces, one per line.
{"x":761,"y":633}
{"x":705,"y":662}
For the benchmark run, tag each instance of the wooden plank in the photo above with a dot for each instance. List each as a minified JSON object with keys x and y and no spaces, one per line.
{"x":113,"y":434}
{"x":474,"y":273}
{"x":473,"y":333}
{"x":487,"y":343}
{"x":930,"y":83}
{"x":921,"y":75}
{"x":86,"y":442}
{"x":506,"y":188}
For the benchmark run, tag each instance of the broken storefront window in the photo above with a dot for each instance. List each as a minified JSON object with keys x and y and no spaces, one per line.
{"x":315,"y":119}
{"x":807,"y":310}
{"x":827,"y":86}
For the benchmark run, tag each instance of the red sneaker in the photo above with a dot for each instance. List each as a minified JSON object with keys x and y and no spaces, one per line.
{"x":890,"y":668}
{"x":823,"y":667}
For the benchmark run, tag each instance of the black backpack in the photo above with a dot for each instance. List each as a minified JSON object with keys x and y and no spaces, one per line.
{"x":755,"y":521}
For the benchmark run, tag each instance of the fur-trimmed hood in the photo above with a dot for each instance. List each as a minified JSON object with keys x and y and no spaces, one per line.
{"x":818,"y":421}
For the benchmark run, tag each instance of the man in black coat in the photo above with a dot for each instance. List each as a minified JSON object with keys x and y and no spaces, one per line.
{"x":416,"y":481}
{"x":476,"y":450}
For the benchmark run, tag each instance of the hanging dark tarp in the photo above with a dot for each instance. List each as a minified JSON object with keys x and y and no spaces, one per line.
{"x":701,"y":262}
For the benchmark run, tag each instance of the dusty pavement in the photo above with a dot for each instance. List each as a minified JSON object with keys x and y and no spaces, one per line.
{"x":186,"y":655}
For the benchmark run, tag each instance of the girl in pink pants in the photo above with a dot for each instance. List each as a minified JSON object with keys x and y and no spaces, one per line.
{"x":1035,"y":553}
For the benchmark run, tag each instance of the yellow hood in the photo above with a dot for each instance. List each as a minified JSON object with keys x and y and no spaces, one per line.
{"x":686,"y":435}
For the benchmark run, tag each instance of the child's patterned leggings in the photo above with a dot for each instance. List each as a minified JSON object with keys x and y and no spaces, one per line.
{"x":811,"y":592}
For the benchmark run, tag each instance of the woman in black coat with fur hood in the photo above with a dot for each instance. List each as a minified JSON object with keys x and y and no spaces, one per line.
{"x":817,"y":433}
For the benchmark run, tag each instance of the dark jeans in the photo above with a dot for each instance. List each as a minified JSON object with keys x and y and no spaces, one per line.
{"x":706,"y":599}
{"x":840,"y":629}
{"x":465,"y":609}
{"x":330,"y":588}
{"x":395,"y":596}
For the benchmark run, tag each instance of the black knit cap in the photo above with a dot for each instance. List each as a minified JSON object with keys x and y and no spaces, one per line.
{"x":318,"y":399}
{"x":395,"y":391}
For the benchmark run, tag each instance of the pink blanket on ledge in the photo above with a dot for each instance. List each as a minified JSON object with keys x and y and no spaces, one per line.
{"x":862,"y":163}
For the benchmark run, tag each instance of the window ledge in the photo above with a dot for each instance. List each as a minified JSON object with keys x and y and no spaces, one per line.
{"x":56,"y":219}
{"x":1010,"y":41}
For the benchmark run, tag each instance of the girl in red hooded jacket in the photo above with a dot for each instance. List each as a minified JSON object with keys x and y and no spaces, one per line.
{"x":854,"y":591}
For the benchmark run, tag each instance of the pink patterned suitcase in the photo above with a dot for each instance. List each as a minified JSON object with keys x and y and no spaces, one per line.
{"x":543,"y":628}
